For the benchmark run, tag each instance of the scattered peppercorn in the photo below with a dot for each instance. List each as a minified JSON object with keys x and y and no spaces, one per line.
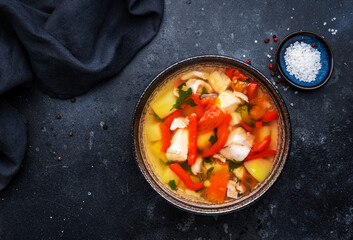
{"x":86,"y":138}
{"x":58,"y":116}
{"x":105,"y":126}
{"x":70,"y":134}
{"x":273,"y":73}
{"x":275,"y":39}
{"x":277,"y":80}
{"x":248,"y":61}
{"x":267,"y":40}
{"x":73,"y":100}
{"x":281,"y":79}
{"x":271,"y":66}
{"x":313,"y":45}
{"x":59,"y":158}
{"x":274,"y":36}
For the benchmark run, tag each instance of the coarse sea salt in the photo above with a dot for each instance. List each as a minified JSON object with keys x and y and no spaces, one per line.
{"x":302,"y":61}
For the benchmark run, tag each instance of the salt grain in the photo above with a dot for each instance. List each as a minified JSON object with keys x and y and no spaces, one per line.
{"x":302,"y":61}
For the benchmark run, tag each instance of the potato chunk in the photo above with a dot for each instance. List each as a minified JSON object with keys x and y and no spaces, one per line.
{"x":163,"y":104}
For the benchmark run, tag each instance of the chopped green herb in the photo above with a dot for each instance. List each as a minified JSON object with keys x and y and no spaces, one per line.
{"x":167,"y":163}
{"x":207,"y":160}
{"x":249,"y":189}
{"x":209,"y":171}
{"x":156,"y":117}
{"x":240,"y":194}
{"x":172,"y":185}
{"x":204,"y":91}
{"x":190,"y":102}
{"x":248,"y":179}
{"x":233,"y":164}
{"x":213,"y":139}
{"x":183,"y":98}
{"x":181,"y":86}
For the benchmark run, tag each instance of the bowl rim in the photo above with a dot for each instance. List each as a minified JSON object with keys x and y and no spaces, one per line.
{"x":213,"y":209}
{"x":286,"y":38}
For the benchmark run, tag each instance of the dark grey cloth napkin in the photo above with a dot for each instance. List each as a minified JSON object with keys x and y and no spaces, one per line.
{"x":65,"y":47}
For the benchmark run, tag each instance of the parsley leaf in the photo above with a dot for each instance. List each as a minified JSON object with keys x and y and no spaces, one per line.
{"x":233,"y":164}
{"x":213,"y":139}
{"x":209,"y":171}
{"x":157,"y":118}
{"x":240,"y":194}
{"x":181,"y":86}
{"x":190,"y":102}
{"x":172,"y":185}
{"x":167,"y":163}
{"x":207,"y":160}
{"x":204,"y":91}
{"x":184,"y":97}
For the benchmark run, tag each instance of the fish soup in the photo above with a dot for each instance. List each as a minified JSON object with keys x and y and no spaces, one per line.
{"x":210,"y":134}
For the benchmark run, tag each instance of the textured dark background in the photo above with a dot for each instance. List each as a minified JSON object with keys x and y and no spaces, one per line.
{"x":97,"y":191}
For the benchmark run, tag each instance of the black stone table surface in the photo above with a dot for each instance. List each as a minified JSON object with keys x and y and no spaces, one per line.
{"x":97,"y":191}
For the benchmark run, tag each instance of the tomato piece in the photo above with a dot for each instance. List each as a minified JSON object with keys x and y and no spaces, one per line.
{"x":212,"y":118}
{"x":257,"y":112}
{"x":238,"y":85}
{"x":229,"y":72}
{"x":251,"y":90}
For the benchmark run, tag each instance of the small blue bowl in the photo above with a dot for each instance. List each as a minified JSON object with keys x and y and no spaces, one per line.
{"x":326,"y":59}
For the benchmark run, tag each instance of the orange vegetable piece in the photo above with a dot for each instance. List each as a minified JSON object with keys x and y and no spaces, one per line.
{"x":212,"y":118}
{"x":216,"y":192}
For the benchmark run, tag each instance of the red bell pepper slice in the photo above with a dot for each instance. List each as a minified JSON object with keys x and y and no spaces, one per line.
{"x":262,"y":154}
{"x":262,"y":145}
{"x":258,"y":124}
{"x":192,"y":145}
{"x":222,"y":136}
{"x":165,"y":128}
{"x":247,"y":127}
{"x":251,"y":90}
{"x":212,"y":118}
{"x":185,"y":177}
{"x":269,"y":116}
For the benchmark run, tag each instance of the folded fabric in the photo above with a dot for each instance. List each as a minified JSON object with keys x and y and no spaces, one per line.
{"x":66,"y":47}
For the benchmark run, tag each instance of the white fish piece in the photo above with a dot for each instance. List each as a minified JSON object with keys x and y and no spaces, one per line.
{"x":195,"y":84}
{"x":239,"y":172}
{"x":228,"y":102}
{"x":178,"y":150}
{"x":179,"y":122}
{"x":220,"y":157}
{"x":196,"y":168}
{"x":241,"y":96}
{"x":219,"y":81}
{"x":231,"y":189}
{"x":235,"y":119}
{"x":235,"y":152}
{"x":195,"y":74}
{"x":234,"y":189}
{"x":241,"y":137}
